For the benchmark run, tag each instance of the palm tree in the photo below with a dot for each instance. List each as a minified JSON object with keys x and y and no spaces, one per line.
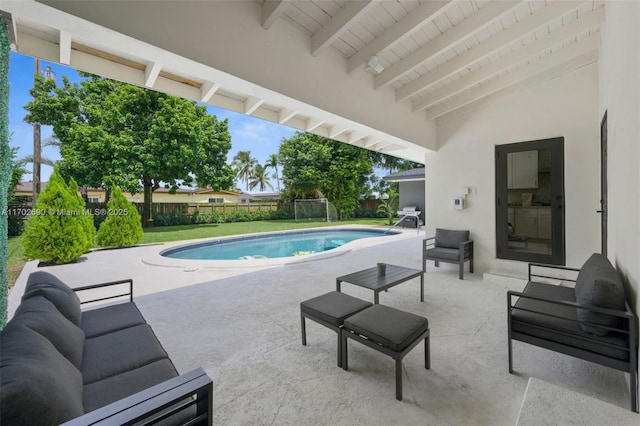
{"x":272,"y":163}
{"x":243,"y":164}
{"x":259,"y":178}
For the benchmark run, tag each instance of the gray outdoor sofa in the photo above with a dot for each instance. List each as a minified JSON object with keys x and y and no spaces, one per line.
{"x":591,"y":320}
{"x":101,"y":366}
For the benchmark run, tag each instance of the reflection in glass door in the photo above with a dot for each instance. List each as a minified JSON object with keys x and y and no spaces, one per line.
{"x":530,"y":201}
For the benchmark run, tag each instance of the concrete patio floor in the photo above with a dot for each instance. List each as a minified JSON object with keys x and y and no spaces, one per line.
{"x":243,"y":327}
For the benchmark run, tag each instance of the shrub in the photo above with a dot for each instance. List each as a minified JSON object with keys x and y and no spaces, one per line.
{"x":56,"y":231}
{"x":123,"y":225}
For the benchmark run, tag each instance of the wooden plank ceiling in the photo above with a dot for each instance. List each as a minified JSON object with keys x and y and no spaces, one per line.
{"x":444,"y":55}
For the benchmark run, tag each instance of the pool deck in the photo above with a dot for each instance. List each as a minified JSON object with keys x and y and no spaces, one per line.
{"x":242,"y":325}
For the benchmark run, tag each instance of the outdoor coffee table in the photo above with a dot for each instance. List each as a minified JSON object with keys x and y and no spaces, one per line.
{"x":369,"y":278}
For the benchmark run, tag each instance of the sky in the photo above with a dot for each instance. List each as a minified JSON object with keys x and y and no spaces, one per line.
{"x":248,"y":133}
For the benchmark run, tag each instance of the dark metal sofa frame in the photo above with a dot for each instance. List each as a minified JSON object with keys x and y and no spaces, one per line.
{"x":465,"y":253}
{"x":158,"y":402}
{"x":627,"y":328}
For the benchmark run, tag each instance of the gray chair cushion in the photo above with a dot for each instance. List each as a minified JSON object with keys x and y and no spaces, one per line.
{"x":120,"y":351}
{"x":48,"y":286}
{"x":112,"y":318}
{"x":443,"y":253}
{"x":387,"y":326}
{"x":105,"y":391}
{"x":549,"y":318}
{"x":38,"y":386}
{"x":450,"y":239}
{"x":599,"y":284}
{"x":333,"y":307}
{"x":40,"y":315}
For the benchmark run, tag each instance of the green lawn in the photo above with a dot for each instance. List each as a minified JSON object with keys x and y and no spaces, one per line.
{"x":161,"y":234}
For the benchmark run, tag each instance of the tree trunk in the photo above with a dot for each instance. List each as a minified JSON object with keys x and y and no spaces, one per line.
{"x":147,"y":220}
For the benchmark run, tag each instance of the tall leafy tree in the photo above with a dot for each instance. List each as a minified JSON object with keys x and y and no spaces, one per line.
{"x":260,"y":178}
{"x":272,"y":163}
{"x":243,"y":164}
{"x":314,"y":164}
{"x":116,"y":134}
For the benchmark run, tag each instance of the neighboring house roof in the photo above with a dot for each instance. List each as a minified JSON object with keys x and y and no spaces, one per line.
{"x":27,"y":187}
{"x":406,"y":175}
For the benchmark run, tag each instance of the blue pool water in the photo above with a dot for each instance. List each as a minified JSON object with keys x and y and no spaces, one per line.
{"x":273,"y":245}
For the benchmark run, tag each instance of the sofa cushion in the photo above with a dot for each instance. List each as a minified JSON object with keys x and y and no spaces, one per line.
{"x":38,"y":386}
{"x":543,"y":320}
{"x":387,"y":326}
{"x":450,"y":239}
{"x":443,"y":254}
{"x":599,"y":284}
{"x":40,"y":315}
{"x":118,"y":352}
{"x":105,"y":391}
{"x":108,"y":319}
{"x":50,"y":287}
{"x":333,"y":307}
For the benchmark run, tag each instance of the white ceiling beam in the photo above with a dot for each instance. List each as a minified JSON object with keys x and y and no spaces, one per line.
{"x":313,"y":123}
{"x":151,"y":73}
{"x":380,"y":145}
{"x":207,"y":90}
{"x":339,"y":23}
{"x":12,"y":29}
{"x":572,"y":29}
{"x":285,"y":115}
{"x":403,"y":28}
{"x":337,"y":130}
{"x":272,"y":10}
{"x":355,"y":136}
{"x":251,"y":104}
{"x":65,"y":47}
{"x":515,"y":32}
{"x":579,"y":50}
{"x":475,"y":22}
{"x":370,"y":141}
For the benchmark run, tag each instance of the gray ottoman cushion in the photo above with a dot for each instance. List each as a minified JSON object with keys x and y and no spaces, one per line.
{"x":388,"y":326}
{"x":599,"y":284}
{"x":38,"y":386}
{"x":50,"y":287}
{"x":119,"y":352}
{"x":110,"y":318}
{"x":333,"y":307}
{"x":450,"y":239}
{"x":40,"y":315}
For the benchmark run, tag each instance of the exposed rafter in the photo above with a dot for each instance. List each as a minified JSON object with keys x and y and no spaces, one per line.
{"x":251,"y":104}
{"x":356,"y":136}
{"x":339,"y":23}
{"x":515,"y":32}
{"x":569,"y":31}
{"x":272,"y":10}
{"x":477,"y":21}
{"x":401,"y":29}
{"x":313,"y":123}
{"x":207,"y":90}
{"x":577,"y":54}
{"x":285,"y":115}
{"x":65,"y":47}
{"x":151,"y":73}
{"x":337,"y":130}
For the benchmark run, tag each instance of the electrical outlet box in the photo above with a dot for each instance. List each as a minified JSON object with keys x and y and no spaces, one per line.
{"x":458,"y":203}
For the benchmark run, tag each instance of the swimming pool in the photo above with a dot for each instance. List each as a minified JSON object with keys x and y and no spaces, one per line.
{"x":269,"y":246}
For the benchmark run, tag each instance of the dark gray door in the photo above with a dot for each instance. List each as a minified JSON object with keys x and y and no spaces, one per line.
{"x":530,"y":201}
{"x":603,"y":183}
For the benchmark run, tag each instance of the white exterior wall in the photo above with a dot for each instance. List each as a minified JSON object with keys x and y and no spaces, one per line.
{"x":566,"y":106}
{"x":620,"y":97}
